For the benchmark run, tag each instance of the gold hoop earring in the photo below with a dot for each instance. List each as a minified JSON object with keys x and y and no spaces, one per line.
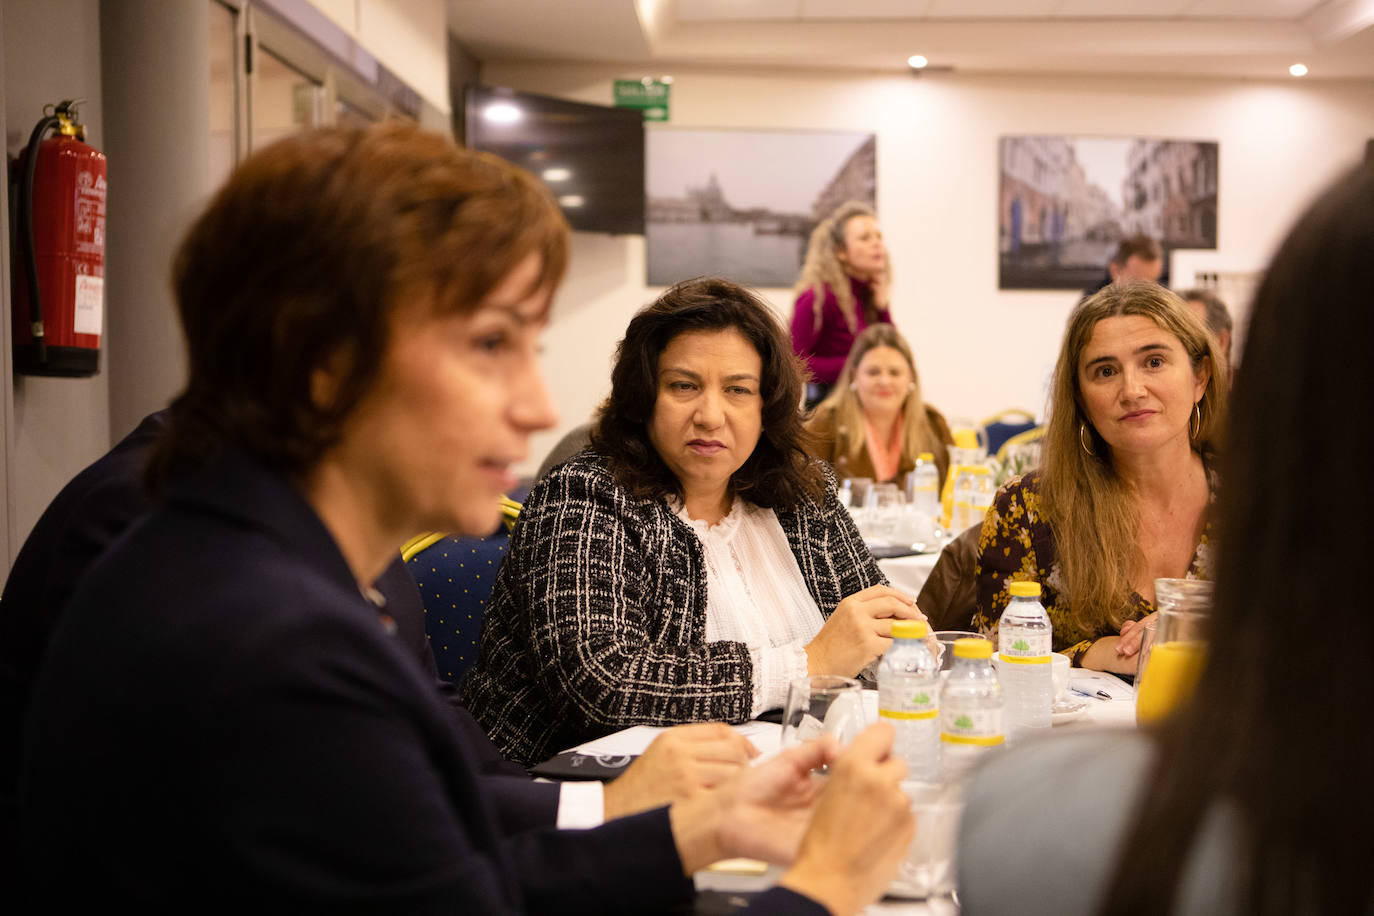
{"x":1196,"y":427}
{"x":1082,"y":440}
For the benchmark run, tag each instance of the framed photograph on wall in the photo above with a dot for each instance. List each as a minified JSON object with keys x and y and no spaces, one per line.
{"x":1065,"y":203}
{"x":741,"y":204}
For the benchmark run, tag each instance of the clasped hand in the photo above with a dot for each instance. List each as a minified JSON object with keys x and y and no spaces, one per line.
{"x":859,"y":630}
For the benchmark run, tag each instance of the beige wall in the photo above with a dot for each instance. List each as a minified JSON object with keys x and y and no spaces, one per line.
{"x":408,"y":36}
{"x":978,"y":349}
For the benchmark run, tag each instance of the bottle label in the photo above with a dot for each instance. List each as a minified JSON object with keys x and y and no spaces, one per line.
{"x":1024,"y":645}
{"x":907,"y":702}
{"x":971,"y":726}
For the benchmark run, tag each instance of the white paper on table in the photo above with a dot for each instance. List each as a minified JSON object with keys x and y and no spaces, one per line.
{"x":635,"y":740}
{"x":1090,"y":681}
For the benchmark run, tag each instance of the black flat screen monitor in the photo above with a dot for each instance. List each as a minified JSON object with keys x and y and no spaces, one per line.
{"x":590,"y":156}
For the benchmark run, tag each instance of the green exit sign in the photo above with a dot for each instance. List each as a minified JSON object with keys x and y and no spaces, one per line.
{"x":649,"y":96}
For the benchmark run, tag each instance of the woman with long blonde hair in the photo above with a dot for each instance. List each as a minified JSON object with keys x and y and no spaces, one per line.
{"x":1124,"y":492}
{"x":843,"y":289}
{"x":875,"y":423}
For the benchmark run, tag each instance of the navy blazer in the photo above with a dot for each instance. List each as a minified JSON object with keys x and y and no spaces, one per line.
{"x":222,"y":723}
{"x":91,"y":511}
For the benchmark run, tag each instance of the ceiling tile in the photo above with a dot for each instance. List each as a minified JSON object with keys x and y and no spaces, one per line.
{"x":741,"y":10}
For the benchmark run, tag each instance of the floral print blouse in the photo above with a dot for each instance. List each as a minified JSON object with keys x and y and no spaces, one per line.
{"x":1016,"y":544}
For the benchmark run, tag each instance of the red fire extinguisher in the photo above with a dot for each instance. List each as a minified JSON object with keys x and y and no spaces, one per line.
{"x":59,"y":288}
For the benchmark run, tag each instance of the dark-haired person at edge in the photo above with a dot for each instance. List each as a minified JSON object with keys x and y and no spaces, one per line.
{"x":693,"y":561}
{"x":1208,"y":306}
{"x":1250,"y":799}
{"x":843,"y":288}
{"x":875,"y":423}
{"x":1137,"y":257}
{"x":222,"y":721}
{"x":106,"y":498}
{"x":1126,"y":480}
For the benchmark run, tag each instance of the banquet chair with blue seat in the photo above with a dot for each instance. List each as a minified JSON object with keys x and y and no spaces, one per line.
{"x":1004,"y":425}
{"x":455,"y":575}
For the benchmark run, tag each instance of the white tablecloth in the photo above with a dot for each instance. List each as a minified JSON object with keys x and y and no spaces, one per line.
{"x":909,"y":573}
{"x":1116,"y":712}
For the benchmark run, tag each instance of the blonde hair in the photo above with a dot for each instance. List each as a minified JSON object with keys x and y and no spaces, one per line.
{"x":823,"y":269}
{"x":1091,"y":509}
{"x":843,"y":402}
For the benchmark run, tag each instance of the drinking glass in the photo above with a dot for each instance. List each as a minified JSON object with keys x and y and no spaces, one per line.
{"x":1173,"y":648}
{"x":947,"y":638}
{"x":823,"y":704}
{"x":884,"y":512}
{"x":928,"y":869}
{"x":854,"y":497}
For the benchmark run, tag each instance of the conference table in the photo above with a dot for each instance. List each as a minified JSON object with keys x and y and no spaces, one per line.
{"x":1107,"y":702}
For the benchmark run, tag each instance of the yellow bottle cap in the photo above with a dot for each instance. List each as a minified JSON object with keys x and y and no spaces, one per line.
{"x":926,"y":456}
{"x":1025,"y":589}
{"x":972,"y":648}
{"x":910,"y":629}
{"x":965,"y":438}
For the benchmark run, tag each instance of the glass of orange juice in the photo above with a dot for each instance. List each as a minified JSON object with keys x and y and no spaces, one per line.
{"x":1174,"y":648}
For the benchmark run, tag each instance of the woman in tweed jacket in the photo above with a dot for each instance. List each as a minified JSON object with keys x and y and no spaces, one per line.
{"x":604,"y":608}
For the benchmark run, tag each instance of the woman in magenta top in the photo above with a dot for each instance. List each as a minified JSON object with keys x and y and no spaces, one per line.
{"x":842,"y":290}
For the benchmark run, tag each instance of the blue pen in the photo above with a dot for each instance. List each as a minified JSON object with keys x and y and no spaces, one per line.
{"x":1096,"y":694}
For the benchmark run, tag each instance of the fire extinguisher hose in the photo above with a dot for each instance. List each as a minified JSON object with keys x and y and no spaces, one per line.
{"x":26,"y":242}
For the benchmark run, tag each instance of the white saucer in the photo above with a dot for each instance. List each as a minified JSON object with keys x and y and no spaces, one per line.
{"x":1067,"y":711}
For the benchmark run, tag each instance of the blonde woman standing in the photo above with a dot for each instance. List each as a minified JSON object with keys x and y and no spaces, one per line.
{"x":874,"y":423}
{"x":1124,"y":493}
{"x":843,"y":289}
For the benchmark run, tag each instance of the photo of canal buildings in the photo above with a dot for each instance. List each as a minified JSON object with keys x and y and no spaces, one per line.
{"x":742,"y":204}
{"x":1065,"y":202}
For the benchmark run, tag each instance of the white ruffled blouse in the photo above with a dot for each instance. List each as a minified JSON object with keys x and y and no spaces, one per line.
{"x":756,"y":595}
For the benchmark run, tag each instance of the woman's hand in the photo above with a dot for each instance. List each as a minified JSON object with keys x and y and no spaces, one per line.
{"x":861,"y":829}
{"x":859,"y":630}
{"x":1133,"y":635}
{"x":1102,"y":656}
{"x":679,"y":764}
{"x":881,"y":293}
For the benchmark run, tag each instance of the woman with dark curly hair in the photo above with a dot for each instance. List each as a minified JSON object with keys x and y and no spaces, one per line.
{"x":693,"y":560}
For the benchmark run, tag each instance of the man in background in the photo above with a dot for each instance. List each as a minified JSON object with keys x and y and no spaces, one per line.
{"x":1137,"y":257}
{"x":1206,"y":305}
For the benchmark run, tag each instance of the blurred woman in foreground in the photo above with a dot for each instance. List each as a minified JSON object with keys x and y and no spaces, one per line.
{"x":1128,"y":475}
{"x":1243,"y":802}
{"x":874,"y":423}
{"x":224,"y":722}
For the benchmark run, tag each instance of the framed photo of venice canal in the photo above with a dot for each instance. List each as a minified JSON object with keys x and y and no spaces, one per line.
{"x":741,"y":204}
{"x":1065,"y":203}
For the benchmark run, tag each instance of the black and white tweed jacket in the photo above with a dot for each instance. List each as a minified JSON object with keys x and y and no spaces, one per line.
{"x":598,"y":618}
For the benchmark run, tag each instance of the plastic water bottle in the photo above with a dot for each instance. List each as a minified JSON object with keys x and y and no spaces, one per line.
{"x":923,"y":485}
{"x":982,"y":490}
{"x":970,"y":709}
{"x":909,"y":699}
{"x":1024,"y":640}
{"x":962,"y":516}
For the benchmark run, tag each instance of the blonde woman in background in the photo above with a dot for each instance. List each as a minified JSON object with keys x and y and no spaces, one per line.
{"x":1123,"y":495}
{"x":874,"y":423}
{"x":843,"y":289}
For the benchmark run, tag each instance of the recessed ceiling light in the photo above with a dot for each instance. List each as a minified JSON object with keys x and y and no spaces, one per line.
{"x":557,"y":174}
{"x":917,"y":62}
{"x":571,"y":200}
{"x":1298,"y":69}
{"x":502,"y":113}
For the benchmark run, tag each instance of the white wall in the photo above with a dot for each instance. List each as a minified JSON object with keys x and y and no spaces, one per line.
{"x":409,"y":37}
{"x":978,"y":349}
